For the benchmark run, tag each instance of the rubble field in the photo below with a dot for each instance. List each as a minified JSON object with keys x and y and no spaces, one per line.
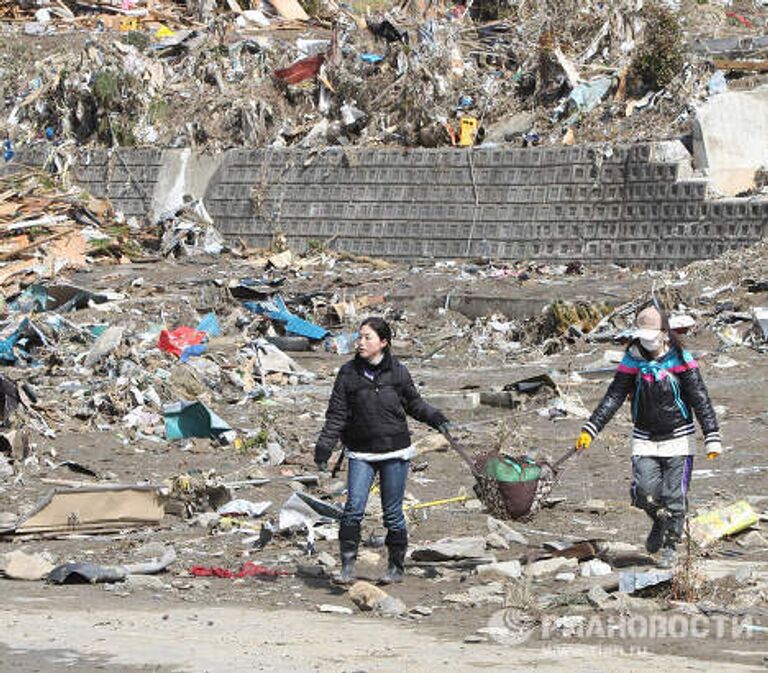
{"x":162,"y":388}
{"x":99,"y":412}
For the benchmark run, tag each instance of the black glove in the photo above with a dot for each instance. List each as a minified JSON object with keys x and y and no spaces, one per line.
{"x":445,"y":427}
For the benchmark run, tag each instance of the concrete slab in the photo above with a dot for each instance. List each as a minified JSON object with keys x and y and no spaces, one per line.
{"x":184,"y":173}
{"x":730,"y":138}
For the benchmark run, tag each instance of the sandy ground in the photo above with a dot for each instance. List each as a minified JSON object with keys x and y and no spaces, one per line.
{"x":48,"y":636}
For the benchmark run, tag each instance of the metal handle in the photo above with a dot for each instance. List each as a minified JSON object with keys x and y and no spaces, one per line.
{"x":461,"y":450}
{"x":570,"y":452}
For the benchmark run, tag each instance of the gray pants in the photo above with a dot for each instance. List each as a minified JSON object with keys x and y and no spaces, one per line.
{"x":660,"y":487}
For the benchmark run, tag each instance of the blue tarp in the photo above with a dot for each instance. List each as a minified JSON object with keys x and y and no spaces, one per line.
{"x":210,"y":325}
{"x":276,"y":309}
{"x":192,"y":419}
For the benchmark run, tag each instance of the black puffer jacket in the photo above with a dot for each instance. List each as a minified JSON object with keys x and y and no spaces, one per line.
{"x":665,"y":394}
{"x":368,"y":408}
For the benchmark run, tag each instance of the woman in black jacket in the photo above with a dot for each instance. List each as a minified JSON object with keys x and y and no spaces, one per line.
{"x":367,"y":411}
{"x":665,"y":387}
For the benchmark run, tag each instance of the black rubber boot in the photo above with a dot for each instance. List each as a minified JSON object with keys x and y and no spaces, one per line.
{"x":673,"y":533}
{"x":658,"y":532}
{"x":397,"y":545}
{"x":349,"y":541}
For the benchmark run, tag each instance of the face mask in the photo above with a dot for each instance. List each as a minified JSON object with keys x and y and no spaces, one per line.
{"x":652,"y":345}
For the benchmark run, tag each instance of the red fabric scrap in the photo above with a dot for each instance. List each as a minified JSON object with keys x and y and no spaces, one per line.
{"x":249,"y":569}
{"x":743,"y":20}
{"x":300,"y":71}
{"x":175,"y":342}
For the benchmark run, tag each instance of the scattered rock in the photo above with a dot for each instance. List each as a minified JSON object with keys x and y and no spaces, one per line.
{"x":473,"y":505}
{"x":599,"y":598}
{"x":551,"y":566}
{"x":510,"y":127}
{"x":500,"y":634}
{"x":207,"y":520}
{"x":421,"y":610}
{"x":505,"y":530}
{"x":19,"y":565}
{"x":570,"y":624}
{"x":365,"y":595}
{"x":6,"y":469}
{"x":752,"y":540}
{"x":593,"y":507}
{"x":275,"y":453}
{"x":489,"y":594}
{"x":390,"y":607}
{"x":145,"y":582}
{"x":744,"y":574}
{"x":618,"y":547}
{"x":311,"y":571}
{"x":595,"y":568}
{"x":502,"y":570}
{"x":450,"y":549}
{"x":565,"y":577}
{"x":108,"y":341}
{"x":335,"y":609}
{"x":329,"y":533}
{"x":475,"y":638}
{"x":325,"y":559}
{"x":496,"y":541}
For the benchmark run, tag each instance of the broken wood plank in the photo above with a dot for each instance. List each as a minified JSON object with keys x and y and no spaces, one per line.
{"x":741,"y":66}
{"x":34,"y":245}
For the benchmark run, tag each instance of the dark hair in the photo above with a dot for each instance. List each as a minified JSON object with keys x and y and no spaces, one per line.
{"x":381,"y":327}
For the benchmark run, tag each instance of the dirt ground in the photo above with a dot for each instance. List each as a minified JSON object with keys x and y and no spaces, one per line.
{"x":176,"y":622}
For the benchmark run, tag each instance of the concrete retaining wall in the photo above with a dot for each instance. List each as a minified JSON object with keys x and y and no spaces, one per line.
{"x":629,"y":205}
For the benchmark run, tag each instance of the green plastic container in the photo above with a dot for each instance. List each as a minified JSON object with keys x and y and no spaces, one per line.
{"x":511,"y":470}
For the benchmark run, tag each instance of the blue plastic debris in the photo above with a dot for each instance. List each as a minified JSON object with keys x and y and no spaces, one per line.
{"x":60,"y":298}
{"x":34,"y":298}
{"x":7,"y":355}
{"x":24,"y":338}
{"x":371,"y":58}
{"x":193,"y":419}
{"x":210,"y":325}
{"x":8,"y":152}
{"x":192,"y":351}
{"x":343,"y":343}
{"x":275,"y":309}
{"x":717,"y":83}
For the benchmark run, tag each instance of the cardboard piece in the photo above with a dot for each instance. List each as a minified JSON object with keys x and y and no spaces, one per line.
{"x":92,"y":509}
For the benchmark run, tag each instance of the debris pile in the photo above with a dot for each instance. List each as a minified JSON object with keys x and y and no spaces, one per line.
{"x":274,"y":74}
{"x":45,"y":229}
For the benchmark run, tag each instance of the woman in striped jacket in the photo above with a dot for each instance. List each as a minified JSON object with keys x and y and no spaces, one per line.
{"x":666,"y":390}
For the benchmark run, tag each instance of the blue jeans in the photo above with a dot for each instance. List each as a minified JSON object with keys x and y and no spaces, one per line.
{"x":393,"y":474}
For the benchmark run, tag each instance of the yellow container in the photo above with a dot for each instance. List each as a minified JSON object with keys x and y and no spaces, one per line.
{"x":719,"y":523}
{"x":467,"y":131}
{"x":129,"y":24}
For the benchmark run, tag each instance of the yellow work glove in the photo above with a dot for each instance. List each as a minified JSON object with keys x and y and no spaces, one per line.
{"x":714,"y":449}
{"x":583,"y":442}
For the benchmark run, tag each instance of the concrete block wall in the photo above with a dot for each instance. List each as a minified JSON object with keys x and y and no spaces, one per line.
{"x":545,"y":204}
